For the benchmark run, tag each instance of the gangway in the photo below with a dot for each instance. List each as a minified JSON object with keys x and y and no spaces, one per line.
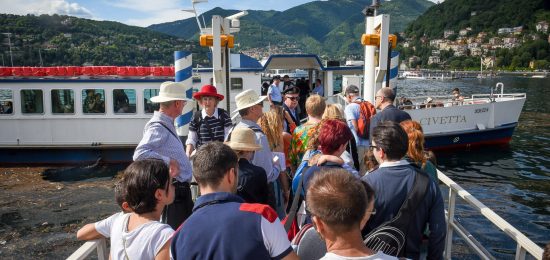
{"x":524,"y":244}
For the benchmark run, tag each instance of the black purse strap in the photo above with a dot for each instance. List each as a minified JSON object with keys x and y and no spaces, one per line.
{"x":407,"y":211}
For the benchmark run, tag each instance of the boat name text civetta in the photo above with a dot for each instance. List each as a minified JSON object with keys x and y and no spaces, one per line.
{"x":442,"y":120}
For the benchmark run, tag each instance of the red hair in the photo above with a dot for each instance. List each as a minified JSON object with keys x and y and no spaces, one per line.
{"x":416,"y":141}
{"x":332,"y":135}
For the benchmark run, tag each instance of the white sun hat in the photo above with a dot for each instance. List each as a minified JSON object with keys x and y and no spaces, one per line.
{"x":247,"y":99}
{"x":169,"y":91}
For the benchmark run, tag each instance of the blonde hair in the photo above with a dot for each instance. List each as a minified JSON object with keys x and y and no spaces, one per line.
{"x":271,"y":123}
{"x":333,"y":111}
{"x":315,"y":106}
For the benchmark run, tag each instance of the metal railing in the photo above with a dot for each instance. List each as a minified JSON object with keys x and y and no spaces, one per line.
{"x":524,"y":244}
{"x":89,"y":247}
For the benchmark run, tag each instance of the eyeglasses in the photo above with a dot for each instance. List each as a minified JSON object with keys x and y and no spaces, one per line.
{"x":372,"y":147}
{"x":293,"y":98}
{"x":379,"y":97}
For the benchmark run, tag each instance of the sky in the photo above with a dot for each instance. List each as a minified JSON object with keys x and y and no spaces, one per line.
{"x":137,"y":12}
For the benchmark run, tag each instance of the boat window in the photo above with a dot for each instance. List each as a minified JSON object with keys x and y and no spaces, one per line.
{"x":32,"y":101}
{"x":124,"y":101}
{"x":236,"y":83}
{"x":6,"y":101}
{"x":62,"y":101}
{"x":93,"y":101}
{"x":150,"y":107}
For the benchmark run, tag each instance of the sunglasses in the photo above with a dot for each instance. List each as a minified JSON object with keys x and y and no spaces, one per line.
{"x":293,"y":98}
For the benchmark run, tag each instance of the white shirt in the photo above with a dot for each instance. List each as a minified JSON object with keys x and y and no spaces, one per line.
{"x":394,"y":163}
{"x":377,"y":256}
{"x":144,"y":242}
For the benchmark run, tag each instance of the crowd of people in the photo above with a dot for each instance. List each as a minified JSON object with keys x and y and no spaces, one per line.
{"x":250,"y":173}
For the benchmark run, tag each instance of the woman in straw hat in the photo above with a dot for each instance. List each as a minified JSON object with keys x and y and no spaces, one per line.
{"x":252,"y":184}
{"x":209,"y":124}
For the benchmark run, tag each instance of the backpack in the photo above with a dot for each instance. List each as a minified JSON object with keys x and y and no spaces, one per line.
{"x":390,"y":237}
{"x":366,"y":112}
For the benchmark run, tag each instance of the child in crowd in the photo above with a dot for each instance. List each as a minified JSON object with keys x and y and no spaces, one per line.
{"x":138,"y":235}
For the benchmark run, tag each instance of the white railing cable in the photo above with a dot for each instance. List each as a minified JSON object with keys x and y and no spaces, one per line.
{"x":85,"y":250}
{"x":524,"y":244}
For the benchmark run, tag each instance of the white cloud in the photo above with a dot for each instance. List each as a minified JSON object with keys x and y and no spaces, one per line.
{"x":145,"y":6}
{"x":63,"y":7}
{"x":162,"y":16}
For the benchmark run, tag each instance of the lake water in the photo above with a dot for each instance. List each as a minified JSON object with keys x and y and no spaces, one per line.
{"x":513,"y":180}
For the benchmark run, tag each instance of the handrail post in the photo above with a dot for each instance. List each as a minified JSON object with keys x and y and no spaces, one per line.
{"x":450,"y":220}
{"x":102,"y":252}
{"x":520,"y":252}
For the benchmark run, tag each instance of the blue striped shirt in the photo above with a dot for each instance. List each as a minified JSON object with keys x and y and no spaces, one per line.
{"x":160,"y":141}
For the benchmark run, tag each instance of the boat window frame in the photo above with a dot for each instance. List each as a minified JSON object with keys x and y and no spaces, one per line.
{"x":114,"y":96}
{"x":73,"y":103}
{"x":22,"y":103}
{"x":231,"y":83}
{"x":8,"y":100}
{"x":84,"y":95}
{"x":146,"y":101}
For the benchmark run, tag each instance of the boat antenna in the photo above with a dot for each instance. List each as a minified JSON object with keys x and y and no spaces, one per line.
{"x":375,"y":5}
{"x":194,"y":12}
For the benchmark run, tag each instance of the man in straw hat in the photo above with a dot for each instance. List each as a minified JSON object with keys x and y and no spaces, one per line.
{"x":252,"y":185}
{"x":209,"y":124}
{"x":222,"y":225}
{"x":250,"y":107}
{"x":161,"y":141}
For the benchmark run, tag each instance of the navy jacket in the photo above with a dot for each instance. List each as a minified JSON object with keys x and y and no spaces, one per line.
{"x":252,"y":185}
{"x":391,"y":186}
{"x":295,"y":119}
{"x":389,"y":113}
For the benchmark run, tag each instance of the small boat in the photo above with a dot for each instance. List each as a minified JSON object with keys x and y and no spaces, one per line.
{"x":413,"y":75}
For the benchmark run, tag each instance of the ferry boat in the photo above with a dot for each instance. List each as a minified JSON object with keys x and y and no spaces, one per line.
{"x":412,"y":75}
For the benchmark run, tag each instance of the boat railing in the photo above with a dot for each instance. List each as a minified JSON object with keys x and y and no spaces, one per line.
{"x":98,"y":245}
{"x":524,"y":244}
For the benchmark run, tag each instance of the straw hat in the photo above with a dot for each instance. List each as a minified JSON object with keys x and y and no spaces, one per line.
{"x":169,"y":91}
{"x":209,"y":91}
{"x":243,"y":139}
{"x":247,"y":99}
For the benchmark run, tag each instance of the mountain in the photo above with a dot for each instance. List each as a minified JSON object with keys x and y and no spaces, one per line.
{"x":479,"y":15}
{"x":331,"y":28}
{"x":66,"y":40}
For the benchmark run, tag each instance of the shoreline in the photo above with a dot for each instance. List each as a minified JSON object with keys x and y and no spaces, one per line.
{"x":39,"y":218}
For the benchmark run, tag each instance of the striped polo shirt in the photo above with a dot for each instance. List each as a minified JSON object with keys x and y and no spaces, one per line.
{"x":210,"y":128}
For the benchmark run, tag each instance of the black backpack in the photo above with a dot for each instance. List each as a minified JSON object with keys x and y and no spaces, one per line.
{"x":391,"y":237}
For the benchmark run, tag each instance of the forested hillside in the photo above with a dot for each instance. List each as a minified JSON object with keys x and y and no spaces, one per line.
{"x":480,"y":15}
{"x":63,"y":40}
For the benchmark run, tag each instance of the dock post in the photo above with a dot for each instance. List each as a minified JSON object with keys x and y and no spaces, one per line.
{"x":184,"y":70}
